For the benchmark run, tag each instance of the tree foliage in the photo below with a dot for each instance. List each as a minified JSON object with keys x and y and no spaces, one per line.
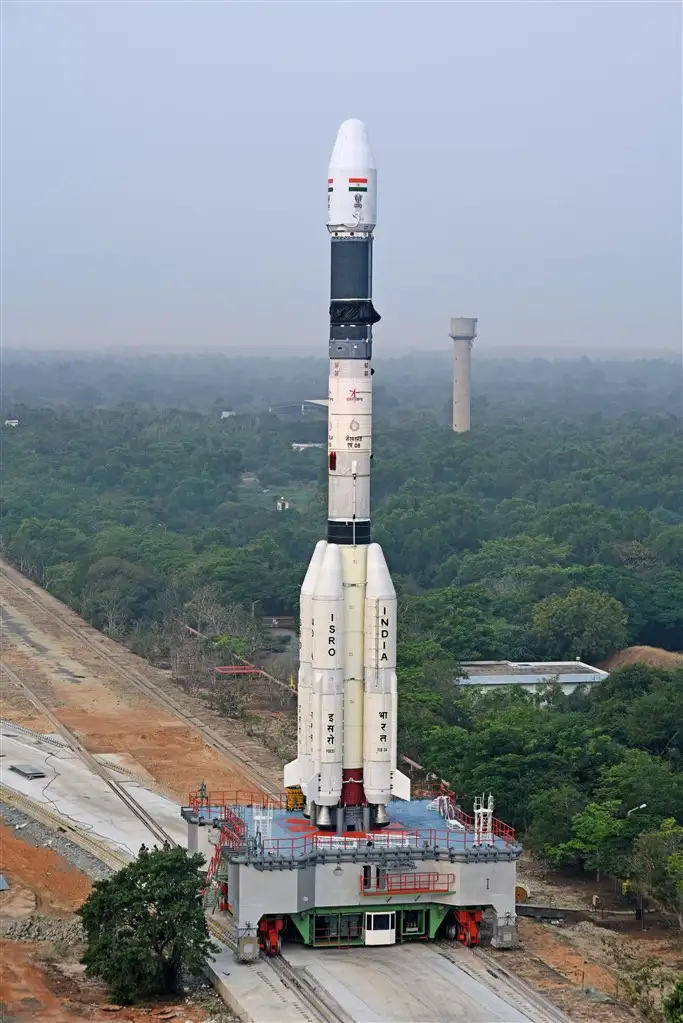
{"x":673,"y":1005}
{"x":552,"y":530}
{"x":480,"y":530}
{"x":658,"y":866}
{"x":583,"y":624}
{"x":564,"y":769}
{"x":596,"y":840}
{"x":145,"y":925}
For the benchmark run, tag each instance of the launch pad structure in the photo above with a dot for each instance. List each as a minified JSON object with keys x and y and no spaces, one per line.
{"x":431,"y":871}
{"x":345,"y":857}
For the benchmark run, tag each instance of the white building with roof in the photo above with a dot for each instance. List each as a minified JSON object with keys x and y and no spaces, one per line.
{"x":530,"y":674}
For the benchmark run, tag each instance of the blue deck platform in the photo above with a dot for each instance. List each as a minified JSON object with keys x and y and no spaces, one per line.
{"x":412,"y":825}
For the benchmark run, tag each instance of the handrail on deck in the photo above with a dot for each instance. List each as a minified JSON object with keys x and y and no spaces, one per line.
{"x":407,"y":884}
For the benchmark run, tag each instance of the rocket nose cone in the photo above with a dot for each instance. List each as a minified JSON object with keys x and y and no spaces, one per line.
{"x":313,"y":571}
{"x":329,"y":584}
{"x":352,"y":147}
{"x":379,"y":584}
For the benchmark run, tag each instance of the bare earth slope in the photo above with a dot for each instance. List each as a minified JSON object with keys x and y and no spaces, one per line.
{"x":105,"y":709}
{"x":644,"y":655}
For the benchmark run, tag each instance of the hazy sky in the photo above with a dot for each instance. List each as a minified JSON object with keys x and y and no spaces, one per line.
{"x":164,"y":171}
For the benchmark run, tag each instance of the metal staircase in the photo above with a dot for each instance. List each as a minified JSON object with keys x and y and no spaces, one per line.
{"x":445,"y":806}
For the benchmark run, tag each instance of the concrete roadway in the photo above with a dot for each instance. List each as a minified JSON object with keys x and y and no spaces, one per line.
{"x":397,"y":984}
{"x":403,"y":984}
{"x":69,"y":789}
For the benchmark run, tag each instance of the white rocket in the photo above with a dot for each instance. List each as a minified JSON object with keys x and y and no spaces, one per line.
{"x":347,"y":712}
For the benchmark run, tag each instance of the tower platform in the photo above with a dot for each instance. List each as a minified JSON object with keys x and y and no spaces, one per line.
{"x":271,"y":831}
{"x":432,"y":871}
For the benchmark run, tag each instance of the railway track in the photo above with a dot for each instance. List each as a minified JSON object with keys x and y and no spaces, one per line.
{"x":144,"y":685}
{"x":89,"y":760}
{"x":318,"y":1001}
{"x":320,"y":1005}
{"x":9,"y":728}
{"x":39,"y":812}
{"x":319,"y":1008}
{"x":479,"y":966}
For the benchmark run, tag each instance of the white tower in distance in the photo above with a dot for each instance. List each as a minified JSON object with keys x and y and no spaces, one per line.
{"x":463,"y":333}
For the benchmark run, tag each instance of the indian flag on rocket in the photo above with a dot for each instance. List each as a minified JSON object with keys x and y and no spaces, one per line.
{"x":330,"y":184}
{"x":358,"y":184}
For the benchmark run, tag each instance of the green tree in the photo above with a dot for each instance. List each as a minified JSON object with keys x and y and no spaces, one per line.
{"x":552,"y":812}
{"x":145,"y":925}
{"x":582,"y":624}
{"x":589,"y":529}
{"x":513,"y":778}
{"x":642,"y":778}
{"x":642,"y":706}
{"x":496,"y":557}
{"x":658,"y":866}
{"x":456,"y":619}
{"x":668,"y":546}
{"x":116,"y":591}
{"x":673,"y":1005}
{"x":596,"y":841}
{"x":36,"y":545}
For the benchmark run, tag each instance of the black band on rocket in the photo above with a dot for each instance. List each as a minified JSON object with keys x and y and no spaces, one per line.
{"x":353,"y":311}
{"x":348,"y":533}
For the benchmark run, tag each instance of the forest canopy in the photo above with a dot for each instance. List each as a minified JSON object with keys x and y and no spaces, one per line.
{"x":552,"y":531}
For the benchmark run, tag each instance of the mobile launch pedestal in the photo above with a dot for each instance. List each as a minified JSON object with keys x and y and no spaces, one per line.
{"x":357,"y":862}
{"x":431,"y":871}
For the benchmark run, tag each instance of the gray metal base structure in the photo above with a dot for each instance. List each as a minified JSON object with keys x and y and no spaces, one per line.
{"x":365,"y":888}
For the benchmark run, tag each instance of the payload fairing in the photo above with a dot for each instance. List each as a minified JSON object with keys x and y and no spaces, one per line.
{"x":347,"y":699}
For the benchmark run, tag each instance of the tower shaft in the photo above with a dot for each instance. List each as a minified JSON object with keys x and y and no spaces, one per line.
{"x":462,"y":351}
{"x":463,"y":333}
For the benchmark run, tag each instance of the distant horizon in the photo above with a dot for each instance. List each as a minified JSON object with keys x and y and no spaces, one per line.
{"x":481,"y":351}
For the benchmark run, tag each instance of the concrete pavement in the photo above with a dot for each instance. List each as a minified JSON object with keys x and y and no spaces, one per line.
{"x":71,"y":790}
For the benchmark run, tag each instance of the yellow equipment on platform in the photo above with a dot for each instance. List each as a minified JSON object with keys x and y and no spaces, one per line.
{"x":295,"y":798}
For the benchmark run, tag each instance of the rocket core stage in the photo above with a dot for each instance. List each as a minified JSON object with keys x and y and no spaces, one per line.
{"x":347,"y":710}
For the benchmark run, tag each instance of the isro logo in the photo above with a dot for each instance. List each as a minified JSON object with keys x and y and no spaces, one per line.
{"x":354,"y":395}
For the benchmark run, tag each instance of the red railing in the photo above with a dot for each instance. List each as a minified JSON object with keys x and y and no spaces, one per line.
{"x":235,"y":828}
{"x":240,"y":669}
{"x":215,"y":860}
{"x":296,"y":848}
{"x":407,"y":884}
{"x":499,"y":828}
{"x":503,"y":831}
{"x":236,"y":797}
{"x":225,"y":806}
